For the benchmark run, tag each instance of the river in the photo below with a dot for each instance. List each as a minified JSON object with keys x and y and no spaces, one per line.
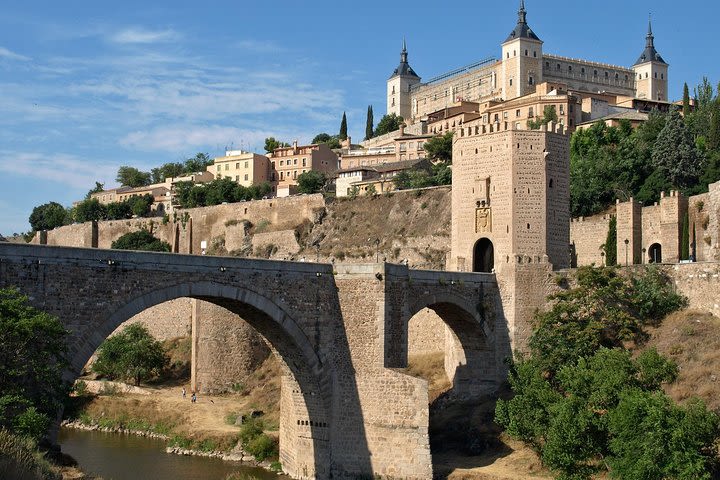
{"x":128,"y":457}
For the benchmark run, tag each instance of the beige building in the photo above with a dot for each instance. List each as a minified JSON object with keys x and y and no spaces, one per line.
{"x":245,"y":168}
{"x":287,"y":163}
{"x":521,"y":68}
{"x":378,"y":178}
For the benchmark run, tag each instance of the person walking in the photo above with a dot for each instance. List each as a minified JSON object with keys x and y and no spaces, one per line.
{"x":193,"y":398}
{"x":183,"y":392}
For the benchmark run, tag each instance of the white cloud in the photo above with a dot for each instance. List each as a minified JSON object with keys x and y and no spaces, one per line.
{"x":259,"y":46}
{"x":60,"y":168}
{"x":10,"y":55}
{"x":181,"y":138}
{"x":141,"y":35}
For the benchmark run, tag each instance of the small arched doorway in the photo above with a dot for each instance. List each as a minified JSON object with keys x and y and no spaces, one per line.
{"x":483,"y":256}
{"x":655,"y":253}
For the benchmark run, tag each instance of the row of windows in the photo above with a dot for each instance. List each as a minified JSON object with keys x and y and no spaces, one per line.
{"x":558,"y":67}
{"x":286,"y":176}
{"x":527,"y":53}
{"x":227,"y":166}
{"x":293,"y":161}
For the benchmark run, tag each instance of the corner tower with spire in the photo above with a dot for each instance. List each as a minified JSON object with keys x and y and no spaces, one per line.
{"x":521,"y":59}
{"x":651,"y":71}
{"x":399,"y":85}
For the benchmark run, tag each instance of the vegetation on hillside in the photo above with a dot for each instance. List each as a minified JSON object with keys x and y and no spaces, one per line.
{"x":388,"y":123}
{"x":668,"y":151}
{"x":21,"y":460}
{"x":132,"y":354}
{"x":140,"y":240}
{"x":132,"y":177}
{"x":586,"y":404}
{"x":223,"y":190}
{"x":311,"y":182}
{"x":32,"y":359}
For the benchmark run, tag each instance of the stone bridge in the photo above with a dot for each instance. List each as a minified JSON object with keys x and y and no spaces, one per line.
{"x":340,"y":330}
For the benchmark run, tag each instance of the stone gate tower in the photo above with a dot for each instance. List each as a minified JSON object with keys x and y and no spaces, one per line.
{"x":399,"y":85}
{"x":511,"y":212}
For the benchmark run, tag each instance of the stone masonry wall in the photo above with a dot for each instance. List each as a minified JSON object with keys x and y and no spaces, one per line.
{"x":587,"y":235}
{"x":227,"y":349}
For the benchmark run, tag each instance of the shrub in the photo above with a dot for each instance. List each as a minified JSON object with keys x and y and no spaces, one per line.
{"x":21,"y":460}
{"x":141,"y":240}
{"x":262,"y":447}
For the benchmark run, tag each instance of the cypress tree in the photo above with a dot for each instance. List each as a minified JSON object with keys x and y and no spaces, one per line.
{"x":685,"y":244}
{"x":610,"y":246}
{"x":369,"y":123}
{"x":714,"y":133}
{"x":686,"y":101}
{"x":343,"y":128}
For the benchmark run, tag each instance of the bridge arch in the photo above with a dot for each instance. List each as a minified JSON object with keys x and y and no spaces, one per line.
{"x":304,"y":431}
{"x":469,"y":342}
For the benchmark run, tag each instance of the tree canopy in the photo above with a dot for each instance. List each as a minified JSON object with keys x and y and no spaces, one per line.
{"x":99,"y":187}
{"x":132,"y":177}
{"x":587,"y":404}
{"x":440,"y":148}
{"x":388,"y":123}
{"x":48,"y":216}
{"x":675,"y":153}
{"x":311,"y":181}
{"x":32,"y":359}
{"x":132,"y":354}
{"x":438,"y":174}
{"x":549,"y":115}
{"x":271,"y":144}
{"x":223,"y":190}
{"x":330,"y":141}
{"x":369,"y":123}
{"x":343,"y":135}
{"x":140,"y":240}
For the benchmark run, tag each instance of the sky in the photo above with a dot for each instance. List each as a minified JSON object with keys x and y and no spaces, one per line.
{"x":88,"y":86}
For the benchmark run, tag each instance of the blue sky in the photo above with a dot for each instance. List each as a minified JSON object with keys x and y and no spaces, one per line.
{"x":87,"y":86}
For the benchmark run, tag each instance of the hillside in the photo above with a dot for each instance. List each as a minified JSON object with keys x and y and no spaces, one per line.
{"x":692,"y":339}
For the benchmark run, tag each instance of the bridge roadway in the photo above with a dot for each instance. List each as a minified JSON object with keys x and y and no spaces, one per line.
{"x":342,"y":331}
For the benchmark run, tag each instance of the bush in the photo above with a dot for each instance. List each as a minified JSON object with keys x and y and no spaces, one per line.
{"x":141,"y":240}
{"x":21,"y":460}
{"x":262,"y":447}
{"x":132,"y":354}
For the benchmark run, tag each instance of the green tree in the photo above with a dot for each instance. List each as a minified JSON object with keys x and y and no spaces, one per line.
{"x":675,"y":153}
{"x":99,"y":187}
{"x":686,"y":100}
{"x":271,"y":144}
{"x":89,"y":211}
{"x":388,"y":123}
{"x":549,"y":115}
{"x":141,"y":240}
{"x":685,"y":239}
{"x":48,"y":216}
{"x":140,"y":205}
{"x":369,"y":123}
{"x":32,"y":361}
{"x":610,"y":245}
{"x":132,"y":177}
{"x":330,"y":141}
{"x":198,"y":163}
{"x":132,"y":354}
{"x":571,"y":393}
{"x":167,"y":170}
{"x":119,"y":211}
{"x":713,"y":137}
{"x":440,"y":148}
{"x":371,"y":190}
{"x":311,"y":181}
{"x":343,"y":128}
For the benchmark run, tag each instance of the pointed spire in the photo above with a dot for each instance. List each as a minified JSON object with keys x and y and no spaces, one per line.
{"x":403,"y":53}
{"x":650,"y":39}
{"x":404,"y":49}
{"x":522,"y":14}
{"x":404,"y":67}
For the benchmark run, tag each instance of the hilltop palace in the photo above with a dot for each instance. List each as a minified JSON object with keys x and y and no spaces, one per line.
{"x":517,"y":87}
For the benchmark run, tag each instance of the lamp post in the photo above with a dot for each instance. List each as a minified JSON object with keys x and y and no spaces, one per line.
{"x":602,"y":255}
{"x":377,"y":250}
{"x":627,"y":242}
{"x":643,"y":252}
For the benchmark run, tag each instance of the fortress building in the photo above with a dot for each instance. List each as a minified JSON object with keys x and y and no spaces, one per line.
{"x":528,"y":77}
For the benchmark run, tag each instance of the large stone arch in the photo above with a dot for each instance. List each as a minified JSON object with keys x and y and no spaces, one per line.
{"x":469,"y":342}
{"x":307,"y":391}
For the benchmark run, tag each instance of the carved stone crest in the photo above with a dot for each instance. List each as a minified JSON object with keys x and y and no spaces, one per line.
{"x":483,"y":220}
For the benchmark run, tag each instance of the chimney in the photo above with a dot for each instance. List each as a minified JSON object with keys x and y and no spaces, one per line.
{"x":402,"y":129}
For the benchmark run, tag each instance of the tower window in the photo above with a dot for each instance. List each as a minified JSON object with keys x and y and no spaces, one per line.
{"x":508,"y":55}
{"x":595,"y":73}
{"x":646,"y":75}
{"x":582,"y":70}
{"x":558,"y":67}
{"x":569,"y":68}
{"x":535,"y":54}
{"x":511,"y":82}
{"x":547,"y":64}
{"x":526,"y":53}
{"x":662,"y":76}
{"x":393,"y":90}
{"x":617,"y":76}
{"x":655,"y":75}
{"x":530,"y":80}
{"x":514,"y":53}
{"x":607,"y":75}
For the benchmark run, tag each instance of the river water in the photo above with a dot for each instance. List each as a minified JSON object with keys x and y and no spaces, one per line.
{"x":128,"y":457}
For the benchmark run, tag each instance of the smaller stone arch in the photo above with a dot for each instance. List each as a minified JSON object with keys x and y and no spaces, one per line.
{"x":655,"y":253}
